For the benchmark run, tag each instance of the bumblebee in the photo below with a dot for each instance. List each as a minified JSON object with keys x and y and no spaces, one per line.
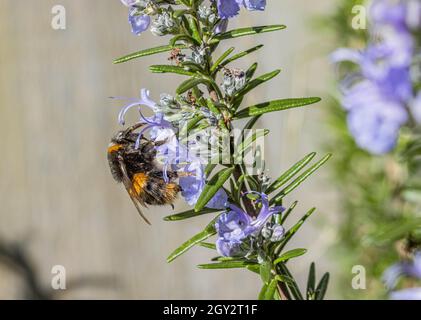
{"x":136,"y":167}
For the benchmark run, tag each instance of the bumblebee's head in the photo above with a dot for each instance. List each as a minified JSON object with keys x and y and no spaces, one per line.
{"x":118,"y":142}
{"x":127,"y":136}
{"x":119,"y":138}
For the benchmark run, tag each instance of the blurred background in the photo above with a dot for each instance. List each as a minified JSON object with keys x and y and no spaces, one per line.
{"x":59,"y":203}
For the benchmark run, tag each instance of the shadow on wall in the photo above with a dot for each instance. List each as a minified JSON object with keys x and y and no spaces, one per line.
{"x":16,"y":258}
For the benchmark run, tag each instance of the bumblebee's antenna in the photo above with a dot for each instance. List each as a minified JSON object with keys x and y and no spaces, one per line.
{"x":133,"y":128}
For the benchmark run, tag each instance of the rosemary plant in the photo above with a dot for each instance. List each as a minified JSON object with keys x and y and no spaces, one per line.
{"x":246,"y":206}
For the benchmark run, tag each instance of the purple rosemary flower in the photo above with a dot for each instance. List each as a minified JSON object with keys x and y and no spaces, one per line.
{"x":222,"y":26}
{"x":255,"y":4}
{"x":193,"y":182}
{"x":139,"y":21}
{"x":235,"y":226}
{"x":230,"y":8}
{"x":159,"y":128}
{"x":144,"y":100}
{"x":409,"y":269}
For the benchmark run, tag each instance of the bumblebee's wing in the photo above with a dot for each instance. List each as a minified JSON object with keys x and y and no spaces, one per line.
{"x":129,"y":187}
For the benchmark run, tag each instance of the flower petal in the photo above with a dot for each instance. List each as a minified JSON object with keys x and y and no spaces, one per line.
{"x":228,"y":8}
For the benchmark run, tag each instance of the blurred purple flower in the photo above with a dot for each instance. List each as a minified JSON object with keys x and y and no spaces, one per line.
{"x":386,"y":64}
{"x":230,"y":8}
{"x":409,"y":269}
{"x":406,"y":294}
{"x":375,"y":97}
{"x":405,"y":268}
{"x":373,"y":119}
{"x":389,"y":12}
{"x":235,"y":226}
{"x":402,"y":15}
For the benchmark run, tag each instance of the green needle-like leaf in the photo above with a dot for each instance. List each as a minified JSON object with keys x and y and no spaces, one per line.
{"x":225,"y":265}
{"x":290,"y":173}
{"x":311,"y":282}
{"x":208,"y":245}
{"x":209,"y":168}
{"x":290,"y":233}
{"x":218,"y":62}
{"x":255,"y":268}
{"x":212,"y":187}
{"x":189,"y":84}
{"x":257,"y":82}
{"x":251,"y":71}
{"x":194,"y":30}
{"x":322,"y":287}
{"x":190,"y":243}
{"x":290,"y":255}
{"x":251,"y":123}
{"x":185,"y":38}
{"x":270,"y":291}
{"x":189,"y":214}
{"x":147,"y":52}
{"x":262,"y":293}
{"x":191,"y":124}
{"x":294,"y":184}
{"x":198,"y":238}
{"x":240,"y":55}
{"x":265,"y":271}
{"x":185,"y":2}
{"x":276,"y":105}
{"x":291,"y":284}
{"x":286,"y":214}
{"x":171,"y":69}
{"x":245,"y":145}
{"x":248,"y":31}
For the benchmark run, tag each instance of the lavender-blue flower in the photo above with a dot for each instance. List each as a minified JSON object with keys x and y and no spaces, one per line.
{"x":235,"y":226}
{"x":230,"y":8}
